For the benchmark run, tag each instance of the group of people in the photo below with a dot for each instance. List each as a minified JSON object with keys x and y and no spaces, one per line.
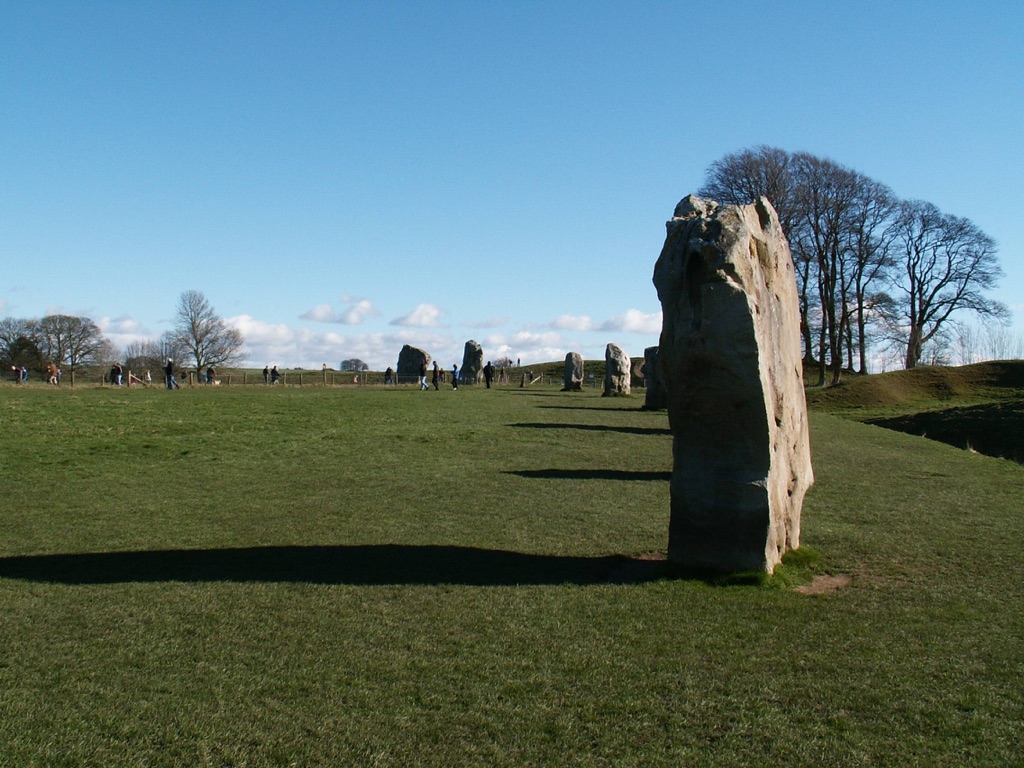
{"x":270,"y":375}
{"x":438,"y":376}
{"x":172,"y":383}
{"x":53,"y":374}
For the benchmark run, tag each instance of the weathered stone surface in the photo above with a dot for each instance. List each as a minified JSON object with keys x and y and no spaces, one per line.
{"x":472,"y":371}
{"x":617,"y":375}
{"x":409,"y":361}
{"x":730,"y":352}
{"x":573,"y":372}
{"x":654,"y":381}
{"x":637,"y":371}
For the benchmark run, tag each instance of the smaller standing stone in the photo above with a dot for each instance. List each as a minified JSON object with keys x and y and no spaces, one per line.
{"x":409,"y":361}
{"x":472,"y":363}
{"x":654,"y":381}
{"x":573,"y":372}
{"x":617,"y":372}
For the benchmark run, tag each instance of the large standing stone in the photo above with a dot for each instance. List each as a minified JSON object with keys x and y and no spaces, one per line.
{"x":573,"y":372}
{"x":617,"y":374}
{"x":730,"y":351}
{"x":472,"y":363}
{"x":654,"y":381}
{"x":409,"y":361}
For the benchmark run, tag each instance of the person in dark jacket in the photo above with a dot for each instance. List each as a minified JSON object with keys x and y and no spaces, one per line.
{"x":169,"y":373}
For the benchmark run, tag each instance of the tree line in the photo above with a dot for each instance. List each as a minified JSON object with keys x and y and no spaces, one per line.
{"x":872,"y":270}
{"x":200,"y":337}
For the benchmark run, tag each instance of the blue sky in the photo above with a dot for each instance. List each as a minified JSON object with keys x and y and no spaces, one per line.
{"x":342,"y":178}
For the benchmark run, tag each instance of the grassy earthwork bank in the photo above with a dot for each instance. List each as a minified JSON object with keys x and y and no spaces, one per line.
{"x":311,"y":576}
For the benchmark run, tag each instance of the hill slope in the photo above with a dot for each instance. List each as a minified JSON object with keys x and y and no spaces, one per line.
{"x":978,"y":407}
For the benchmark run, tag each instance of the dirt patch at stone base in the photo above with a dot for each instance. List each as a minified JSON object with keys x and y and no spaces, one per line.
{"x":823,"y":585}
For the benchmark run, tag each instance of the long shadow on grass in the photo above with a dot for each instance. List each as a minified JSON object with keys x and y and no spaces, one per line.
{"x":597,"y":408}
{"x":596,"y":428}
{"x":388,"y":564}
{"x":590,"y":474}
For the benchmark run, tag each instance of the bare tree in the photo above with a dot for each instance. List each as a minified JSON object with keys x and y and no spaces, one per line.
{"x":945,"y":264}
{"x":1001,"y":343}
{"x":825,"y":195}
{"x":868,"y":260}
{"x":203,"y":335}
{"x":864,"y":261}
{"x":972,"y":344}
{"x":740,"y":178}
{"x":966,"y":344}
{"x":75,"y":341}
{"x":148,"y":355}
{"x":137,"y":354}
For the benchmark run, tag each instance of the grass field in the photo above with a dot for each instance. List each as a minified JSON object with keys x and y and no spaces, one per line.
{"x":368,"y":576}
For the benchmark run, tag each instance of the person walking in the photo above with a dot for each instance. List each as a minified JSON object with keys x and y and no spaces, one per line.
{"x":423,"y":375}
{"x":266,"y":375}
{"x":169,"y":373}
{"x":436,"y":378}
{"x":488,"y":373}
{"x":455,"y":376}
{"x":274,"y":375}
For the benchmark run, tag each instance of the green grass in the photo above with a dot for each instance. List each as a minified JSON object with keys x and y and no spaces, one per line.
{"x":322,"y":577}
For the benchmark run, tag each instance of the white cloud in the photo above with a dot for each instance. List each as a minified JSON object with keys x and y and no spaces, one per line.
{"x":122,"y":331}
{"x":321,"y":313}
{"x":490,"y":322}
{"x":634,"y":321}
{"x":358,"y":312}
{"x":572,"y":323}
{"x":526,"y":346}
{"x":355,"y":314}
{"x":287,"y":347}
{"x":424,"y":316}
{"x":294,"y":347}
{"x":122,"y":325}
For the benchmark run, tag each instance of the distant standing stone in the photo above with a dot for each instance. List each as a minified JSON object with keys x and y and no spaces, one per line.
{"x":654,"y":381}
{"x":410,"y":361}
{"x":573,"y":372}
{"x":472,"y":363}
{"x":617,"y":374}
{"x":730,"y":351}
